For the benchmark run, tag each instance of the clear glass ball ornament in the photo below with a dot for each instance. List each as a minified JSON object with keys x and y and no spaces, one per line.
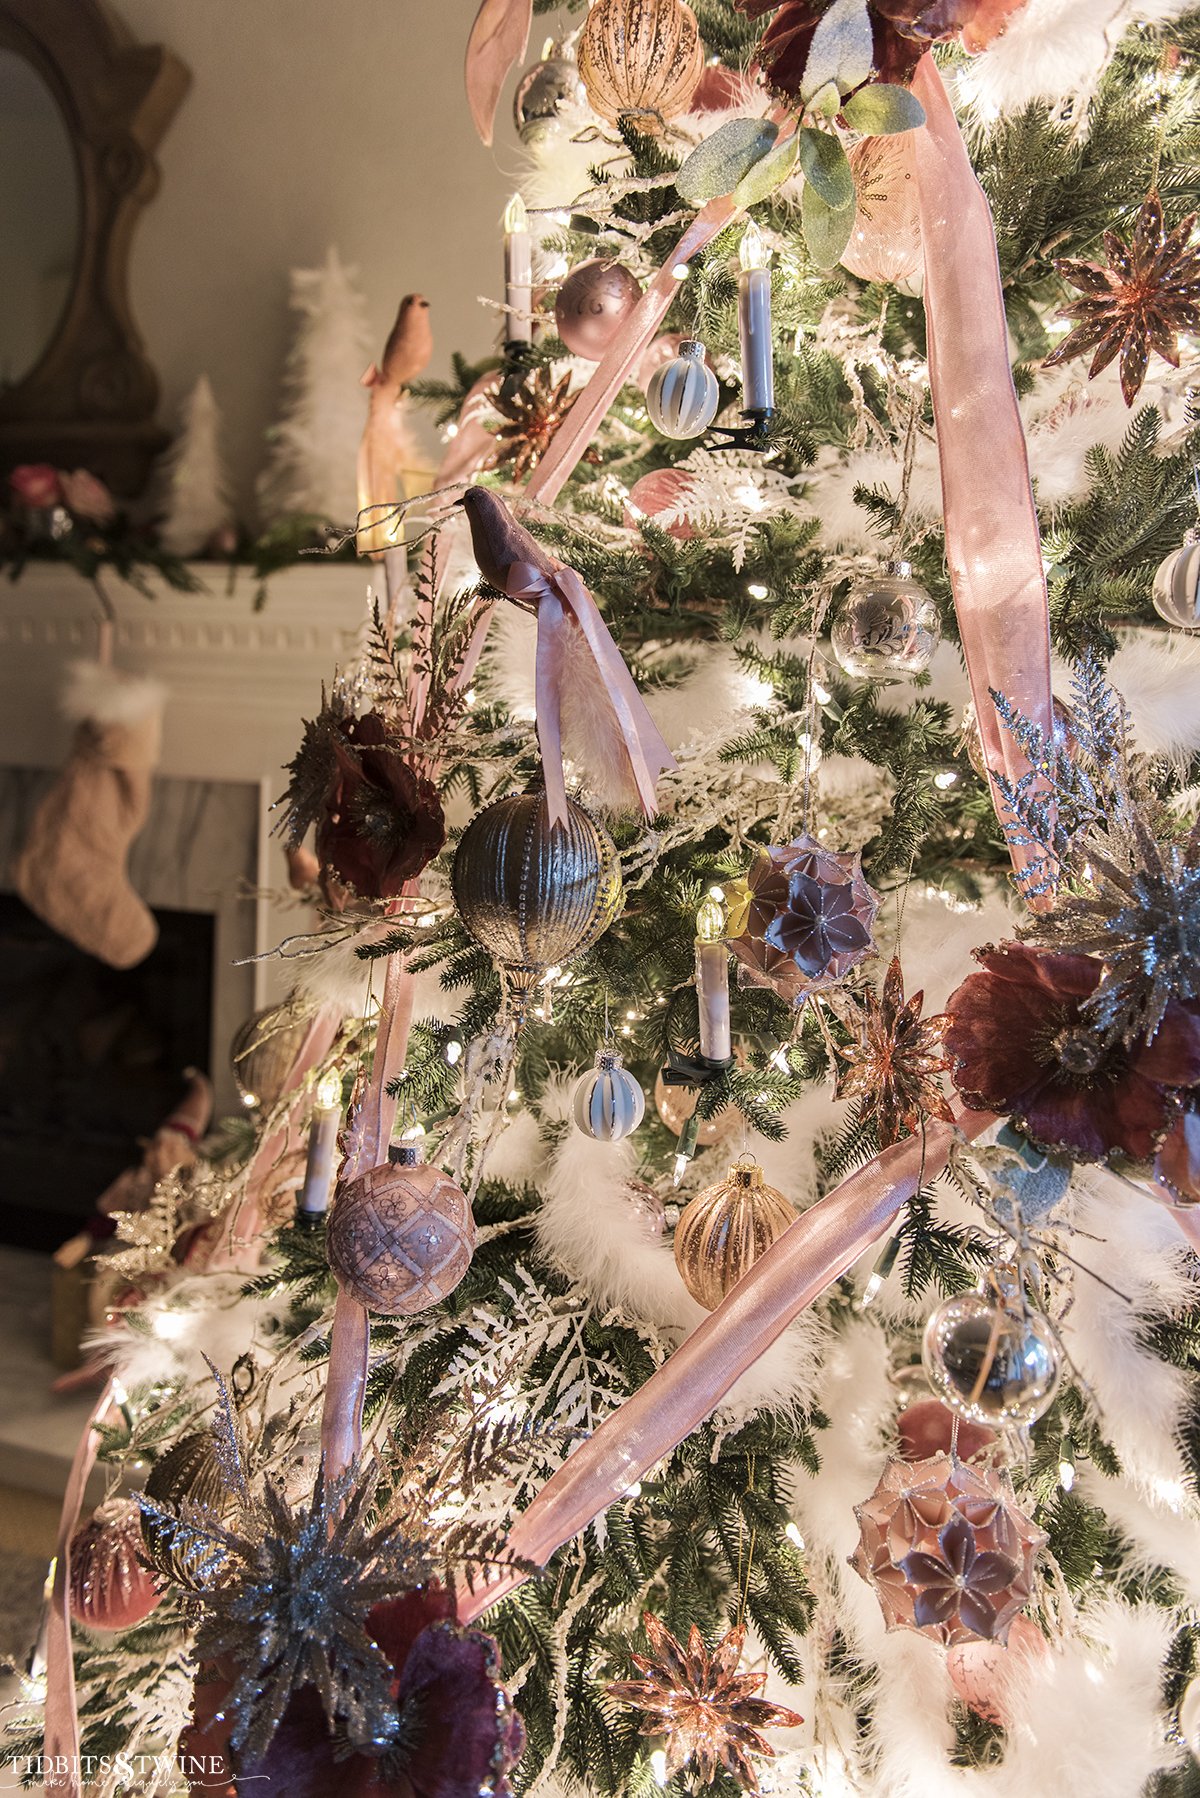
{"x":887,"y":626}
{"x":1176,"y":590}
{"x":545,"y":94}
{"x":683,"y":395}
{"x":989,"y":1362}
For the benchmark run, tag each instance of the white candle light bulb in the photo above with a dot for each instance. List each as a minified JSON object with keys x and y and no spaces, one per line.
{"x":754,"y":251}
{"x":710,"y":919}
{"x":518,"y":272}
{"x":754,"y":323}
{"x":712,"y":979}
{"x":329,"y":1091}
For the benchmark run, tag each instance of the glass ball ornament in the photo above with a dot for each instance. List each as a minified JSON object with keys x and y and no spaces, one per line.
{"x":400,"y":1236}
{"x":640,"y":60}
{"x":545,"y":94}
{"x":724,"y":1229}
{"x":263,"y":1052}
{"x":592,"y":304}
{"x":683,"y":394}
{"x":110,"y":1588}
{"x":530,"y":894}
{"x":1176,"y":590}
{"x":885,"y":239}
{"x":887,"y":626}
{"x":609,"y":1103}
{"x":991,"y":1362}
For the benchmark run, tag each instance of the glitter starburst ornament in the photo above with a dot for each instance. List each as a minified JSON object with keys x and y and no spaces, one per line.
{"x":1147,"y":295}
{"x":532,"y":414}
{"x":710,"y":1714}
{"x":892,"y":1070}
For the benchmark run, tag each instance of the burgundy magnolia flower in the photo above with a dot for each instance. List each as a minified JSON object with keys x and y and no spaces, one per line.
{"x":36,"y":484}
{"x":902,"y":30}
{"x":1019,"y":1044}
{"x":461,"y":1735}
{"x":383,"y":822}
{"x":88,"y":497}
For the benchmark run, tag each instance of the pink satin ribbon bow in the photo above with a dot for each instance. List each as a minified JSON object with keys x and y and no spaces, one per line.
{"x":563,"y":603}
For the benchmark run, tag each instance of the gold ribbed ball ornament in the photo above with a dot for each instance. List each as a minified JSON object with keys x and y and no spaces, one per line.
{"x":264,"y":1051}
{"x":532,"y":895}
{"x":640,"y":60}
{"x":725,"y":1229}
{"x":189,"y":1472}
{"x":401,"y":1236}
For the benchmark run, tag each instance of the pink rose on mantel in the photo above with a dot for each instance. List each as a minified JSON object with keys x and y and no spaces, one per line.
{"x":88,"y":497}
{"x":36,"y":484}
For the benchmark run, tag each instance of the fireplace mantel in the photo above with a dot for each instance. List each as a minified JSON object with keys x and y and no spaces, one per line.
{"x":239,"y":683}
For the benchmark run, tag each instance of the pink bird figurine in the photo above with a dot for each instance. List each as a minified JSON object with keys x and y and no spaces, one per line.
{"x":385,"y":454}
{"x":583,"y":685}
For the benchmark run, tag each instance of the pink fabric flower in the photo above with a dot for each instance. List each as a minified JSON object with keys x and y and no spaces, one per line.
{"x":1019,"y":1044}
{"x":36,"y":484}
{"x":87,"y":497}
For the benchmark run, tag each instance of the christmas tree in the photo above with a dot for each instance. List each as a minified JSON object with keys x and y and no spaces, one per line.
{"x":737,"y":1328}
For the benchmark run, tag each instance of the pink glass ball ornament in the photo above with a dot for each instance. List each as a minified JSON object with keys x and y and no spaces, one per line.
{"x":593,"y":303}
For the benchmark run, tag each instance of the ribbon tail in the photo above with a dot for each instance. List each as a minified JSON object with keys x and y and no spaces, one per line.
{"x":61,"y":1720}
{"x":498,"y":39}
{"x":993,"y":545}
{"x":647,"y":752}
{"x":346,"y":1385}
{"x":793,"y":1273}
{"x":552,"y":627}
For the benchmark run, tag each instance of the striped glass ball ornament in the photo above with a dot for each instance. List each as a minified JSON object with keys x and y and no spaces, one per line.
{"x":609,"y":1103}
{"x":1176,"y":591}
{"x":683,"y":394}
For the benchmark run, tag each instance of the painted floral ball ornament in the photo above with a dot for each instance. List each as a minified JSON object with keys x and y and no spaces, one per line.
{"x":545,"y":94}
{"x":110,"y":1589}
{"x":592,"y":304}
{"x":885,"y":240}
{"x":947,"y":1550}
{"x":991,"y":1359}
{"x":400,"y":1236}
{"x":609,"y":1103}
{"x":640,"y":60}
{"x":534,"y":896}
{"x":887,"y":626}
{"x":725,"y":1229}
{"x":1176,"y":590}
{"x":683,"y":394}
{"x":660,"y":496}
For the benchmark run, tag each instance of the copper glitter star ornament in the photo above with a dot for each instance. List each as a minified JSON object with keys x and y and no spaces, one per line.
{"x":532,"y":415}
{"x":1149,"y":292}
{"x":892,"y":1070}
{"x":710,"y":1714}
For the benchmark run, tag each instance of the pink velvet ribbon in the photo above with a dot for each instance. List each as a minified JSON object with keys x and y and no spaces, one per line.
{"x":993,"y":546}
{"x":563,"y":604}
{"x":793,"y":1273}
{"x":61,"y":1739}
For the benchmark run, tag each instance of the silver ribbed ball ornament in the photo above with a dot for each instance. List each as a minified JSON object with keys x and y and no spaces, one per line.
{"x":609,"y":1103}
{"x":991,"y":1362}
{"x":683,"y":394}
{"x":545,"y":93}
{"x":887,"y":626}
{"x":534,"y":896}
{"x":1176,"y":591}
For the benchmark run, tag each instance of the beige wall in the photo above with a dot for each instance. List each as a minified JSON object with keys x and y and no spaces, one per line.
{"x":310,"y":123}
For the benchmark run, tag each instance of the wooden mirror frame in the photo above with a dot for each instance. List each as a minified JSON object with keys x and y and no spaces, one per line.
{"x":89,"y":400}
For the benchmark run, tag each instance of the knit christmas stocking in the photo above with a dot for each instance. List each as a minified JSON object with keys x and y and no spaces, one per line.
{"x":72,"y":868}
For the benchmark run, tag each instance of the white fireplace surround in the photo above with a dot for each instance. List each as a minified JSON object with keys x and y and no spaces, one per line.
{"x":239,"y":683}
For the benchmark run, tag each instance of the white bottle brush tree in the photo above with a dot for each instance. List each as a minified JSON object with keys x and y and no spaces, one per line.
{"x":310,"y":468}
{"x":198,"y":511}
